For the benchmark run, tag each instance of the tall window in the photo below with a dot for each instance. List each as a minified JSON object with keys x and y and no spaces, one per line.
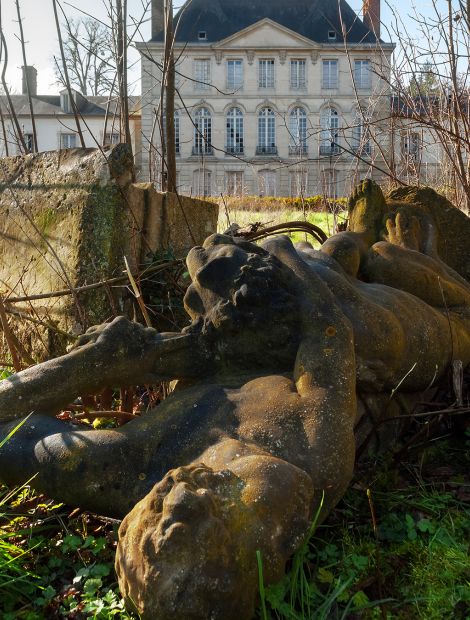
{"x":329,"y":132}
{"x":234,"y":74}
{"x":177,"y":133}
{"x":330,"y":74}
{"x":362,"y":74}
{"x":234,"y":183}
{"x":234,"y":136}
{"x":298,"y":132}
{"x":361,"y":137}
{"x":68,"y":140}
{"x":29,"y":141}
{"x":411,"y":144}
{"x":298,"y":183}
{"x":202,"y":74}
{"x":202,"y":132}
{"x":266,"y":132}
{"x":266,"y":73}
{"x":297,"y":74}
{"x":330,"y":183}
{"x":267,"y":183}
{"x":202,"y":182}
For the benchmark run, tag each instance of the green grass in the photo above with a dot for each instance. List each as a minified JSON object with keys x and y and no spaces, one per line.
{"x":326,"y":221}
{"x":53,"y":566}
{"x":416,"y":565}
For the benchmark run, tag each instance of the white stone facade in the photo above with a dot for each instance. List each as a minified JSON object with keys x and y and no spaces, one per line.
{"x":298,"y":102}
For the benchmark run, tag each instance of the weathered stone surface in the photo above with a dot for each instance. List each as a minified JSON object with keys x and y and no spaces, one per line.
{"x":292,"y":359}
{"x":416,"y":209}
{"x":67,"y":218}
{"x":188,"y":549}
{"x":165,"y":221}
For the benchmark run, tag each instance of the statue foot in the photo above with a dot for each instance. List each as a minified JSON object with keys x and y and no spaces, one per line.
{"x":188,"y":549}
{"x":367,"y":209}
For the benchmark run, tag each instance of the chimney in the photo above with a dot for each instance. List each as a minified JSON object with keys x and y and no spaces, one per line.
{"x":371,"y":16}
{"x":158,"y":17}
{"x":30,"y":78}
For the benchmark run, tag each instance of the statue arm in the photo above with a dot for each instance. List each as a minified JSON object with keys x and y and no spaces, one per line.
{"x":324,"y":375}
{"x":115,"y":354}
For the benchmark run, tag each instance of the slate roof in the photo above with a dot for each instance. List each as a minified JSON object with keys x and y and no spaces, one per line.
{"x":49,"y":105}
{"x":309,"y":18}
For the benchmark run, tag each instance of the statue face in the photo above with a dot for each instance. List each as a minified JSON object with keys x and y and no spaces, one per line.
{"x":240,"y":296}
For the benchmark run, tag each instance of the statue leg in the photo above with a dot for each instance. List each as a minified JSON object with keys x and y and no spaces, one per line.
{"x":188,"y":549}
{"x":104,"y":471}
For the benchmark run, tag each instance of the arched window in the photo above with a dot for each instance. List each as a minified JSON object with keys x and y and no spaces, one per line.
{"x":202,"y":132}
{"x":361,"y":136}
{"x":266,"y":132}
{"x":329,"y":132}
{"x":298,"y":132}
{"x":234,"y":134}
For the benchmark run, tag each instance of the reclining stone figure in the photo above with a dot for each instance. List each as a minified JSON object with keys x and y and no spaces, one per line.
{"x":289,"y":351}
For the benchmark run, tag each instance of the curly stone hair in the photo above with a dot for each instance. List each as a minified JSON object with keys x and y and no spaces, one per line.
{"x":256,"y":323}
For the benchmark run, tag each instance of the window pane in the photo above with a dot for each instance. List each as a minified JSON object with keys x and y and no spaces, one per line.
{"x":362,"y":75}
{"x":202,"y":75}
{"x":202,"y":183}
{"x":68,"y":140}
{"x":329,"y":132}
{"x":267,"y":183}
{"x":234,"y":74}
{"x":330,"y":74}
{"x":202,"y":132}
{"x":234,"y":183}
{"x":266,"y":131}
{"x":266,"y":73}
{"x":234,"y":133}
{"x":297,"y":73}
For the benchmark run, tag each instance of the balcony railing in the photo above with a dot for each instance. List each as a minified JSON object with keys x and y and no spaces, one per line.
{"x":202,"y":150}
{"x":236,"y":149}
{"x":298,"y":150}
{"x":330,"y":149}
{"x":266,"y":150}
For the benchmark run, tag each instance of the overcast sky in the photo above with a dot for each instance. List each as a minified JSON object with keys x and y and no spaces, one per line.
{"x":41,"y":37}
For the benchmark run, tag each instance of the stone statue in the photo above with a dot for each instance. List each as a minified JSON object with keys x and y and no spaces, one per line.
{"x":292,"y":357}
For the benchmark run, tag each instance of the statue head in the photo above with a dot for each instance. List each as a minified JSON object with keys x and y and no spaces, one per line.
{"x":243,"y":300}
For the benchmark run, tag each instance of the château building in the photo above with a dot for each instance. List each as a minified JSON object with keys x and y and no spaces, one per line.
{"x":273,"y":98}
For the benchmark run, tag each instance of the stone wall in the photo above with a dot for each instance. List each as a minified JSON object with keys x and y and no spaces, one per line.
{"x":67,"y":219}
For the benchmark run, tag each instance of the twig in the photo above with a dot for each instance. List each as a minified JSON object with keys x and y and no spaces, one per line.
{"x":90,"y":287}
{"x":9,"y":338}
{"x":138,"y":295}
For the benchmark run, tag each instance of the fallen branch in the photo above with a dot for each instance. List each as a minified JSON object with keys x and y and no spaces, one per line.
{"x":256,"y":233}
{"x":91,"y":287}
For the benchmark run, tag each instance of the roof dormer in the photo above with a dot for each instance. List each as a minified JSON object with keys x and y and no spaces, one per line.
{"x":66,"y":104}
